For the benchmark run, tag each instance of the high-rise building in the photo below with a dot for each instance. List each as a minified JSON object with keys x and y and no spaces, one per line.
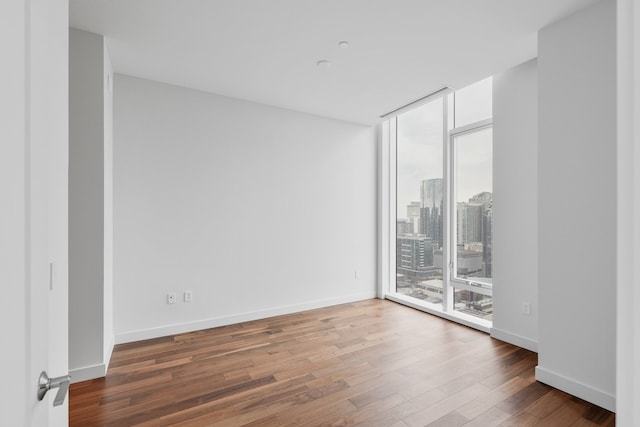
{"x":487,"y":244}
{"x":431,"y":200}
{"x":486,"y":200}
{"x":414,"y":256}
{"x":413,"y":215}
{"x":474,"y":228}
{"x":469,"y":226}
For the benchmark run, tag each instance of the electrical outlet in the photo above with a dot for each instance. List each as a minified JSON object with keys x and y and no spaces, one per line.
{"x":188,"y":296}
{"x":172,"y":298}
{"x":526,"y":308}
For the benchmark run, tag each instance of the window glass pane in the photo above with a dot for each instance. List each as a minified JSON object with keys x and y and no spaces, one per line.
{"x":474,"y":103}
{"x":473,"y":194}
{"x":473,"y":303}
{"x":420,"y":200}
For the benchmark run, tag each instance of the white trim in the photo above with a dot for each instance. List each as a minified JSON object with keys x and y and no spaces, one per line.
{"x":109,"y":353}
{"x":180,"y":328}
{"x":447,"y":289}
{"x":454,"y":316}
{"x":94,"y":371}
{"x":393,"y":204}
{"x":483,"y":287}
{"x":88,"y":373}
{"x":471,"y":127}
{"x":515,"y":339}
{"x":454,"y":281}
{"x":384,"y":221}
{"x":628,"y":214}
{"x":576,"y":388}
{"x":440,"y":93}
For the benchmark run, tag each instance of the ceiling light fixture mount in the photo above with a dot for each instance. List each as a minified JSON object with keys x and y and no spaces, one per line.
{"x":323,"y":63}
{"x":343,"y":44}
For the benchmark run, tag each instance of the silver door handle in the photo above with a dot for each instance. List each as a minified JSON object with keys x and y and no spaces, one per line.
{"x":61,"y":383}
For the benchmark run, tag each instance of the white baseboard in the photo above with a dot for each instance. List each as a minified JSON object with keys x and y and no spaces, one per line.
{"x":109,"y":352}
{"x":454,"y":316}
{"x":576,"y":388}
{"x":93,"y":371}
{"x":88,"y":373}
{"x":514,"y":339}
{"x":181,"y":328}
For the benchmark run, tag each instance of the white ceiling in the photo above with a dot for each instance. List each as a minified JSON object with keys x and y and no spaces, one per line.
{"x":266,"y":50}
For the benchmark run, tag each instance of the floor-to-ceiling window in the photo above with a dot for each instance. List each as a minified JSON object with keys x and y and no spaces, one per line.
{"x":420,"y":202}
{"x":443,"y":203}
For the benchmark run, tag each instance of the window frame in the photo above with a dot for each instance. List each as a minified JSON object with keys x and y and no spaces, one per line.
{"x":476,"y":286}
{"x":389,"y":182}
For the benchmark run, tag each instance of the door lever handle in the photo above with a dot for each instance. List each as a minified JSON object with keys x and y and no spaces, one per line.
{"x":61,"y":383}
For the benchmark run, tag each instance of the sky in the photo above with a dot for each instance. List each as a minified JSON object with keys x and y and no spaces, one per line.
{"x":420,"y":145}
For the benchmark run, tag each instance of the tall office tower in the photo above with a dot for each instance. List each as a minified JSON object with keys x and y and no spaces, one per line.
{"x":469,"y":226}
{"x":474,"y":227}
{"x":486,"y":200}
{"x":431,"y":209}
{"x":487,"y":245}
{"x":413,"y":215}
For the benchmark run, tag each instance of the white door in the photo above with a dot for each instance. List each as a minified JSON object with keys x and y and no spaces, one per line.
{"x":33,"y":207}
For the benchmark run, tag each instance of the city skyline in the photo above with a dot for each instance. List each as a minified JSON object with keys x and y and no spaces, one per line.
{"x":419,"y":253}
{"x":420,"y":141}
{"x":423,"y":188}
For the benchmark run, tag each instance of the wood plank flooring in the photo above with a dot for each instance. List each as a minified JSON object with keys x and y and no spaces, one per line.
{"x":371,"y":363}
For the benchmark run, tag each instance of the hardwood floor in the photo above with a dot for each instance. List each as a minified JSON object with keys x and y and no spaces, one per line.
{"x":371,"y":363}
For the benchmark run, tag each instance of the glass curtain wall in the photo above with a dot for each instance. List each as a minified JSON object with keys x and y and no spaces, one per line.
{"x":444,"y":201}
{"x":420,"y":202}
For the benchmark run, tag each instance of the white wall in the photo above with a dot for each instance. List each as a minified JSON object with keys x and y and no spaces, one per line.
{"x":90,"y":328}
{"x":577,"y":204}
{"x":257,"y":210}
{"x":515,"y":185}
